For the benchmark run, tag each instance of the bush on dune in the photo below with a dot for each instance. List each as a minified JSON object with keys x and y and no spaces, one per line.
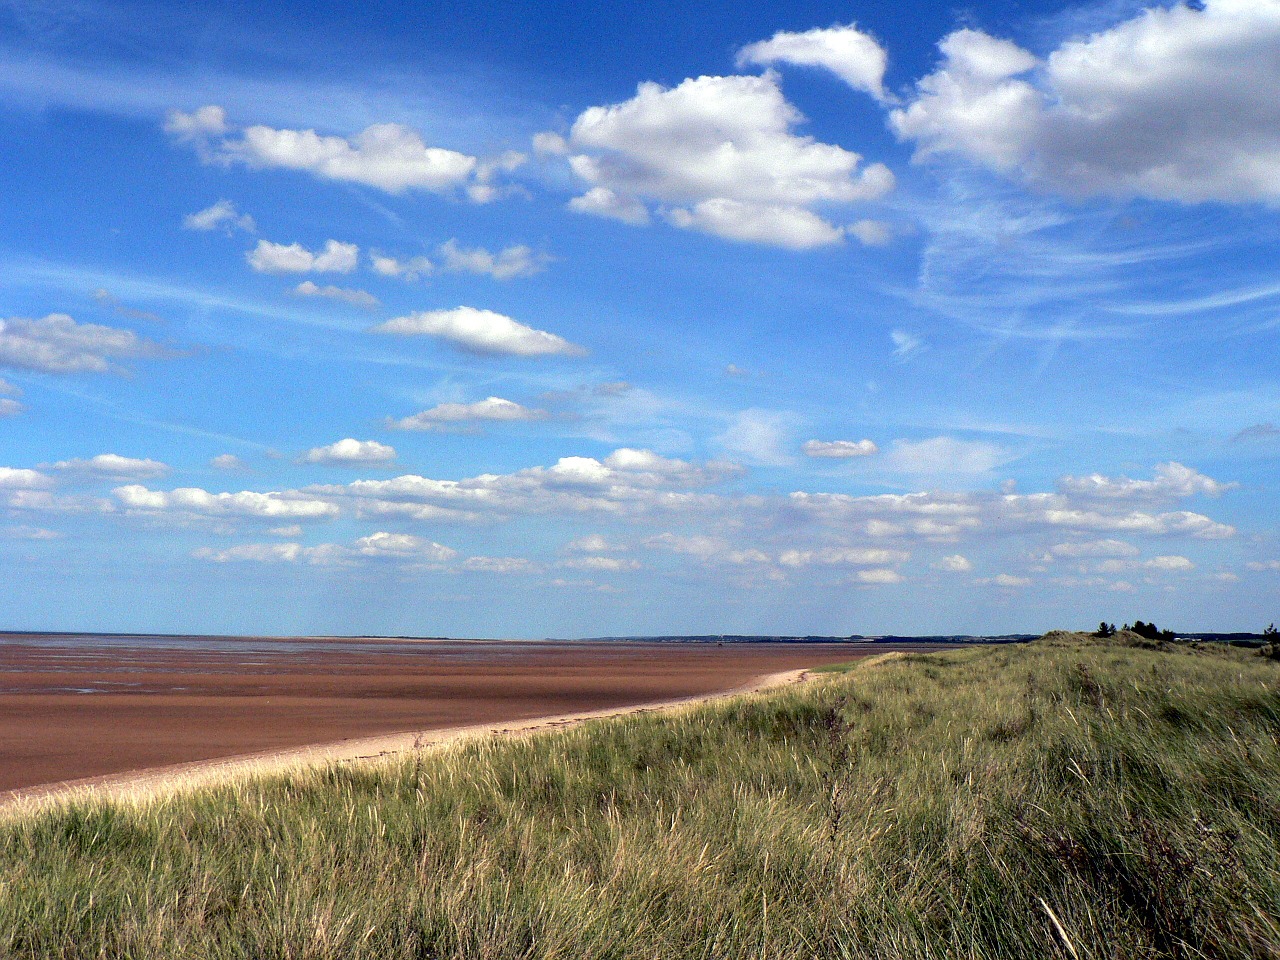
{"x":1069,"y":797}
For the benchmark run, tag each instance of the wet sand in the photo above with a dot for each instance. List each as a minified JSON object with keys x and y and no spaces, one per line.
{"x":70,"y":711}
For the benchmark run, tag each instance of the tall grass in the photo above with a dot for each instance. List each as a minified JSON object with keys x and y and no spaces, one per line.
{"x":1064,"y":798}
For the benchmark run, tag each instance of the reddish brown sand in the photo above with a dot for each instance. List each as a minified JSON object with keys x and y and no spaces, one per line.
{"x":71,"y":712}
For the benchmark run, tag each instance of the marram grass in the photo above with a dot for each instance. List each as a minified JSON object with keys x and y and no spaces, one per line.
{"x":1065,"y":798}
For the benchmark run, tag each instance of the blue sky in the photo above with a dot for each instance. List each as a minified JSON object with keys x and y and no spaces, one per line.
{"x":514,"y":319}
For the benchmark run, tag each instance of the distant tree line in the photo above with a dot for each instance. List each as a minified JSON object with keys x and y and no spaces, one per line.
{"x":1148,"y":630}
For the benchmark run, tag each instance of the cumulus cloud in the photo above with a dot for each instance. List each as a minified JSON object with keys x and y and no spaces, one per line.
{"x":719,"y":155}
{"x":499,"y":565}
{"x":594,"y":543}
{"x":352,"y":453}
{"x":841,"y":556}
{"x":839,"y":449}
{"x":387,"y":156}
{"x":447,"y":416}
{"x":853,"y":56}
{"x":10,"y":407}
{"x":228,"y":461}
{"x":511,"y":262}
{"x":222,"y":215}
{"x":880,"y":577}
{"x":57,"y":344}
{"x":955,"y":563}
{"x":626,"y":483}
{"x":1167,"y":563}
{"x":871,"y":233}
{"x":357,"y":298}
{"x":1006,"y":580}
{"x":482,"y":332}
{"x":1173,"y":104}
{"x":1172,"y":480}
{"x":602,"y":564}
{"x":603,"y":202}
{"x":201,"y":124}
{"x":247,"y":503}
{"x":939,"y":455}
{"x":336,"y":257}
{"x":114,"y":466}
{"x":402,"y":545}
{"x":412,"y":268}
{"x":20,"y":478}
{"x":1094,"y":548}
{"x":508,"y":263}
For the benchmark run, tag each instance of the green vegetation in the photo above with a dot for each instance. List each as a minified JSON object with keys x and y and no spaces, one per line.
{"x":1073,"y":797}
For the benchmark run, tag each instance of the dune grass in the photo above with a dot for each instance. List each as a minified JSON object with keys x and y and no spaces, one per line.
{"x":1067,"y":798}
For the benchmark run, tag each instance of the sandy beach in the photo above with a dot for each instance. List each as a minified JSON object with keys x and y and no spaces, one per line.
{"x":74,"y":712}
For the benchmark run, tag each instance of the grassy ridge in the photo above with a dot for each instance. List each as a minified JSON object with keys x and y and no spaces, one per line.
{"x":1063,"y":798}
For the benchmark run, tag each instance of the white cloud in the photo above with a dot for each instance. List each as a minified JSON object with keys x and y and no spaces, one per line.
{"x":387,"y":156}
{"x":626,"y":483}
{"x":871,"y":233}
{"x":841,"y":556}
{"x":268,"y":257}
{"x":839,"y":449}
{"x":481,"y":331}
{"x":321,"y":555}
{"x":511,"y":262}
{"x":352,"y":453}
{"x":200,"y":124}
{"x":594,"y":543}
{"x":759,"y":437}
{"x":881,"y":577}
{"x":290,"y":532}
{"x":228,"y":461}
{"x":413,"y":268}
{"x":1006,"y":580}
{"x":10,"y":407}
{"x":853,"y":56}
{"x":720,"y":153}
{"x":1263,"y":565}
{"x":550,"y":145}
{"x":19,"y":478}
{"x":602,"y":564}
{"x":1172,"y":480}
{"x":401,"y":545}
{"x":30,"y":533}
{"x":1095,"y":548}
{"x":955,"y":563}
{"x":449,"y":415}
{"x":8,"y":388}
{"x":357,"y":298}
{"x":247,"y":503}
{"x":603,"y":202}
{"x":57,"y":344}
{"x":114,"y":466}
{"x":1169,"y":563}
{"x":499,"y":565}
{"x":709,"y":550}
{"x":905,"y":344}
{"x":792,"y":227}
{"x":945,"y":455}
{"x":222,"y":214}
{"x":1174,"y":104}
